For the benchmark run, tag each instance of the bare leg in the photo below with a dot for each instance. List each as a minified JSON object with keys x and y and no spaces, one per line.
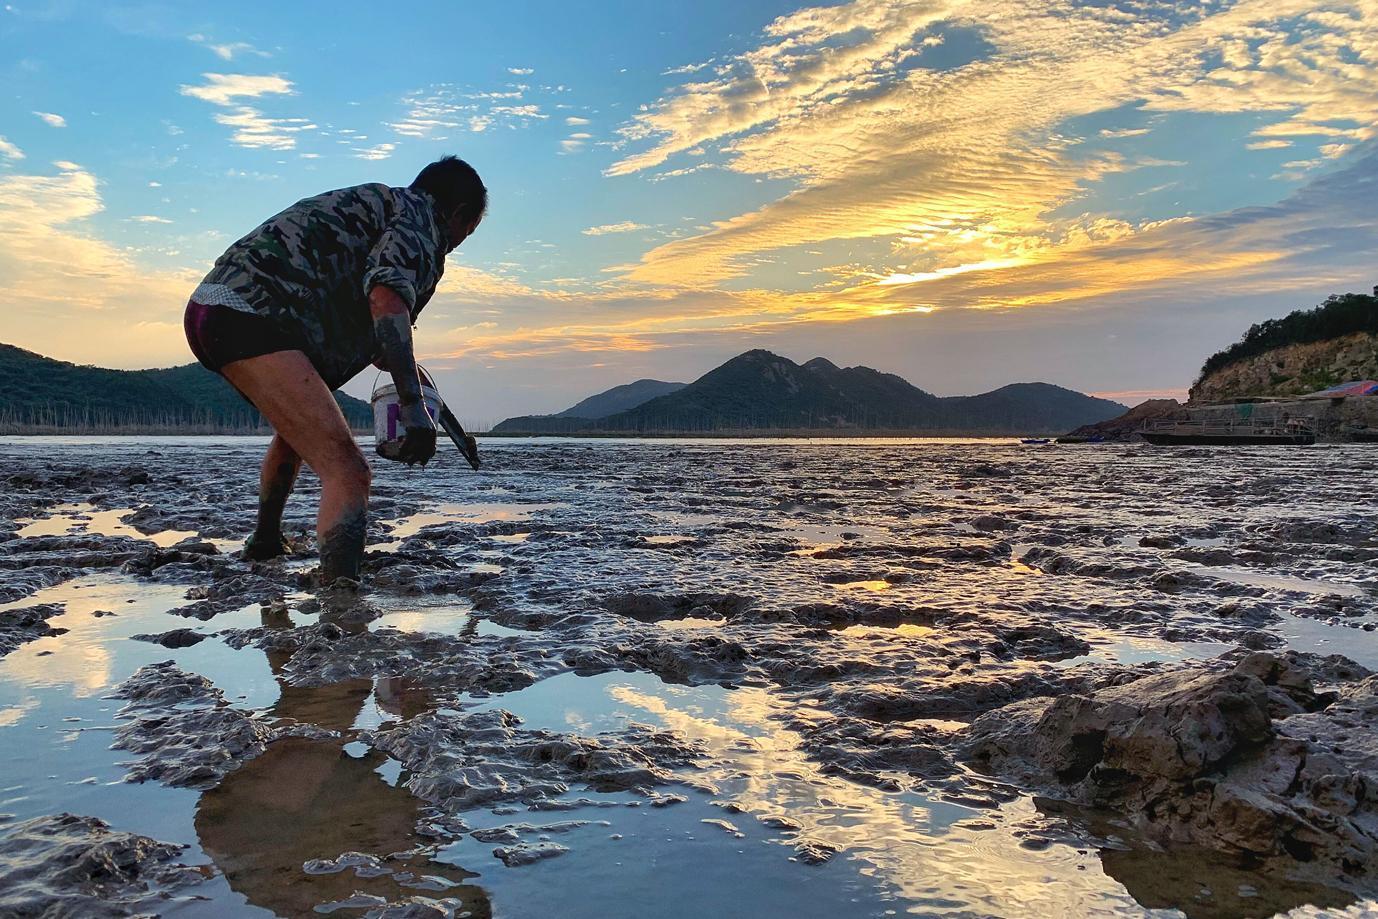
{"x":295,"y":400}
{"x":279,"y":473}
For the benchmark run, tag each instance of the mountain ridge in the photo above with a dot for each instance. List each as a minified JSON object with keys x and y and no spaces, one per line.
{"x":39,"y":393}
{"x":762,"y":391}
{"x":619,"y":399}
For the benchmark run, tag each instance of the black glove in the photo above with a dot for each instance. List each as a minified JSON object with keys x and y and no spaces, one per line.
{"x":418,"y":446}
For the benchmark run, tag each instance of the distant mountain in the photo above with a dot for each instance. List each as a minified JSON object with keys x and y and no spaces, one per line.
{"x":37,"y":392}
{"x":761,"y":391}
{"x":619,"y":399}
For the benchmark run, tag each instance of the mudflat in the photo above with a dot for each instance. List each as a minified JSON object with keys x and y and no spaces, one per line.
{"x":691,"y":678}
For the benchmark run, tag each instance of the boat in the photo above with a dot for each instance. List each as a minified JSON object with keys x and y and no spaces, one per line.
{"x":1293,"y":432}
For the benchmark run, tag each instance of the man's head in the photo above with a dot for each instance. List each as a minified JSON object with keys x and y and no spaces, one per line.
{"x":460,"y":196}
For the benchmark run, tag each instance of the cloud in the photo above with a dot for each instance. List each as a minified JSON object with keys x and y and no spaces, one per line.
{"x":53,"y":120}
{"x":149,"y":218}
{"x":519,"y":111}
{"x":575,"y":121}
{"x":225,"y":88}
{"x":228,"y":50}
{"x":9,"y":151}
{"x":1123,"y":132}
{"x":442,"y":106}
{"x":625,"y":226}
{"x":251,"y":127}
{"x":429,"y":112}
{"x":376,"y":152}
{"x":60,"y":275}
{"x":520,"y":71}
{"x":962,"y":164}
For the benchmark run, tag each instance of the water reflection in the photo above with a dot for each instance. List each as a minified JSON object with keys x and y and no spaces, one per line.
{"x":82,"y":519}
{"x":307,"y":799}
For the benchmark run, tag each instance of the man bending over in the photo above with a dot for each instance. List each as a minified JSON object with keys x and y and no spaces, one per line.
{"x":307,"y":300}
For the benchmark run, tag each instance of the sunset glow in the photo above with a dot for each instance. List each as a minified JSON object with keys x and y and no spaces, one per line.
{"x":966,"y":193}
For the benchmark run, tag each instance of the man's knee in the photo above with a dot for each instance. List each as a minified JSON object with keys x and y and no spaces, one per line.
{"x":348,"y":469}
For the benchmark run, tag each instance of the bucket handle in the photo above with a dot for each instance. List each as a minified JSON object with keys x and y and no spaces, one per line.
{"x":425,"y":375}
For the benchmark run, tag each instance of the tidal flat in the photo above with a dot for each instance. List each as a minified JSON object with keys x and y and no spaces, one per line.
{"x":696,"y":678}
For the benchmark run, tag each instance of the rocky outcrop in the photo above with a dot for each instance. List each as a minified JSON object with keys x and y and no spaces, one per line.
{"x":1250,"y":760}
{"x":1293,"y":370}
{"x":1127,"y":426}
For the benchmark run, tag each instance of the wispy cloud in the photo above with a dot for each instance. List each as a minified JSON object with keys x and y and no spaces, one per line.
{"x":575,"y":142}
{"x":226,"y":51}
{"x":960,"y":165}
{"x":376,"y":152}
{"x":521,"y":71}
{"x":429,"y":112}
{"x":439,"y":108}
{"x":251,"y":127}
{"x":625,"y":226}
{"x":65,"y":274}
{"x":575,"y":121}
{"x":149,"y":218}
{"x":52,"y":120}
{"x":9,"y":151}
{"x":1123,"y":132}
{"x":226,"y":88}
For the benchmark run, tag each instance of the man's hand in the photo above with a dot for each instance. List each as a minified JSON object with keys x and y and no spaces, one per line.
{"x":418,"y":444}
{"x":392,"y":328}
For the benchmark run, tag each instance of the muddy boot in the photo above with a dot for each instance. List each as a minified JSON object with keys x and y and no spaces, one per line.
{"x":259,"y":548}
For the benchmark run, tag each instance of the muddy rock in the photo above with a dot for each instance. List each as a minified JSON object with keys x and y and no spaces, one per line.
{"x":1247,"y":760}
{"x":20,"y":626}
{"x":653,"y":607}
{"x":176,"y":638}
{"x":29,"y":579}
{"x":65,"y":865}
{"x":528,"y":853}
{"x":326,"y":652}
{"x":231,"y":593}
{"x":482,"y":758}
{"x":184,"y":732}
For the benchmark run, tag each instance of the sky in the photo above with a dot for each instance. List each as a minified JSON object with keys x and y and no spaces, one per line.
{"x":1095,"y":194}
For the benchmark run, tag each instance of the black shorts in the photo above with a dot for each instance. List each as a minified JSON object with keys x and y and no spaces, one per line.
{"x":221,"y":335}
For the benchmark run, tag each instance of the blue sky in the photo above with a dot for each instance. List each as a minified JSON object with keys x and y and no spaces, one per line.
{"x":964,"y":193}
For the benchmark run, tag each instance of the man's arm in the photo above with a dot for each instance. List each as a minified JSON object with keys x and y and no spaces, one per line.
{"x":392,"y":328}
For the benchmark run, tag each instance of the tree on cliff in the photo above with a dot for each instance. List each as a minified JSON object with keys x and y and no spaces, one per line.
{"x":1340,"y":314}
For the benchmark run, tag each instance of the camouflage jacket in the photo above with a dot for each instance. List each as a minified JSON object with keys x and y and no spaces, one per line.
{"x":310,"y":269}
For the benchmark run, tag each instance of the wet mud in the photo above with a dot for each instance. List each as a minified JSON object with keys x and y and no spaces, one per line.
{"x":890,"y":675}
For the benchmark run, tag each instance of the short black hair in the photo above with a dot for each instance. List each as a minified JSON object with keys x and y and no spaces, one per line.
{"x":456,"y":187}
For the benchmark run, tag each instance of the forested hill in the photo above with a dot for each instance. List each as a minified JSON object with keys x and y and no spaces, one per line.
{"x":1304,"y":351}
{"x":761,"y":391}
{"x":1339,"y":315}
{"x":39,"y":393}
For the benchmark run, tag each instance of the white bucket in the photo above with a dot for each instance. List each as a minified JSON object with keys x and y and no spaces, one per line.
{"x":388,"y":430}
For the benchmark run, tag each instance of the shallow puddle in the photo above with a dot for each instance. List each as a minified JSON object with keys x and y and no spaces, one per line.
{"x":900,"y":853}
{"x":691,"y":622}
{"x":1251,"y":578}
{"x":873,"y":586}
{"x":79,"y":519}
{"x":473,"y":513}
{"x":1131,"y":650}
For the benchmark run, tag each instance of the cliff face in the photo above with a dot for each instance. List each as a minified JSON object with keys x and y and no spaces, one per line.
{"x":1293,"y":370}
